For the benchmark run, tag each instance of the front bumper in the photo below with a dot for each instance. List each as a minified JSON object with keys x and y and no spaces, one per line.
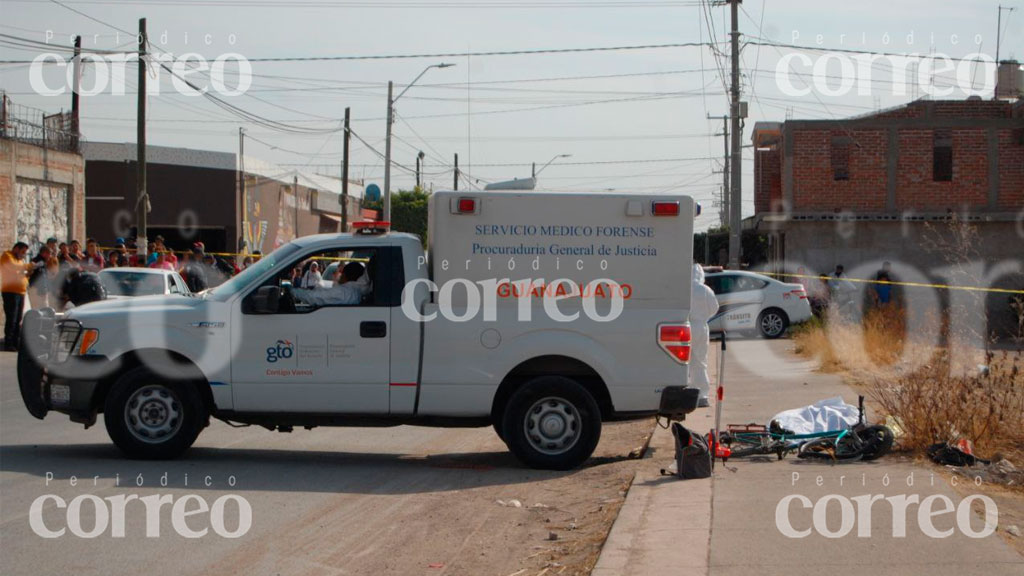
{"x":68,"y":386}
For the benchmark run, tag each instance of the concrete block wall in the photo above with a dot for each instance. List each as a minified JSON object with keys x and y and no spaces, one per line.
{"x":25,"y":162}
{"x":20,"y":162}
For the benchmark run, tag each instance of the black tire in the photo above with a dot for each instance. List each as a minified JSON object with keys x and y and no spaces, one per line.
{"x":827,"y":449}
{"x":185,"y":415}
{"x":877,"y":441}
{"x":772,"y":323}
{"x":554,"y":400}
{"x":496,"y":424}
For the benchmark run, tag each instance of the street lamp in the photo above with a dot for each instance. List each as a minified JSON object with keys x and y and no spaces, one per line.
{"x":535,"y":171}
{"x":387,"y":145}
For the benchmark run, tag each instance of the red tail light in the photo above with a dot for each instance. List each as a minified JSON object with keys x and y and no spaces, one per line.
{"x":665,"y":208}
{"x":674,"y":339}
{"x":674,"y":333}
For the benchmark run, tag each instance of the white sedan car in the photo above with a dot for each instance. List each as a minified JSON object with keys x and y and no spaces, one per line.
{"x":749,"y":301}
{"x":131,"y":282}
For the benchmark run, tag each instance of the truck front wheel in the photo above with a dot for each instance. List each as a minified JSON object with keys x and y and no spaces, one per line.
{"x":152,"y":418}
{"x":552,"y":423}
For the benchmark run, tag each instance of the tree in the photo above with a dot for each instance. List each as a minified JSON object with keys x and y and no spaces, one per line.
{"x":409,"y":212}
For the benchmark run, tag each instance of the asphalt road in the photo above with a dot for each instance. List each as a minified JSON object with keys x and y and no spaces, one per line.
{"x":403,"y":500}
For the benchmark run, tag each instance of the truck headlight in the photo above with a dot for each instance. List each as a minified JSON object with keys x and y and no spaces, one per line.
{"x":67,"y":338}
{"x":72,"y":339}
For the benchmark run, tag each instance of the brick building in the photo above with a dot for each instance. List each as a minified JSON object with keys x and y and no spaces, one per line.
{"x":878,"y":187}
{"x":42,"y":177}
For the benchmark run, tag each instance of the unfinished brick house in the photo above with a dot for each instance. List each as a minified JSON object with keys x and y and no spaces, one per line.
{"x":879,"y":187}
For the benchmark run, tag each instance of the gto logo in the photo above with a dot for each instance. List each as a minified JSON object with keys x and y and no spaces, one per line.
{"x":281,"y":350}
{"x":110,"y":513}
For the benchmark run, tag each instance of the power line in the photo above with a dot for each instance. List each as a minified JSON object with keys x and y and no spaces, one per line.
{"x":853,"y":51}
{"x":479,"y":54}
{"x":398,"y":4}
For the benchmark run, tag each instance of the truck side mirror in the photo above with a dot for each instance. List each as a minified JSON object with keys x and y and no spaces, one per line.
{"x":265,"y":300}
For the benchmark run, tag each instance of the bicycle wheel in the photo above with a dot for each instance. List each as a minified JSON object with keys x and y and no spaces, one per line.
{"x":748,"y":444}
{"x":846,"y":448}
{"x":877,"y":441}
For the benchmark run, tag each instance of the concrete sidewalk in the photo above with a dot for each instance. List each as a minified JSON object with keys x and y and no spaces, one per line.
{"x":729,"y":525}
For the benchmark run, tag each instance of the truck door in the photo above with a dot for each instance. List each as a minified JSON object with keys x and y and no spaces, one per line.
{"x":323,"y":350}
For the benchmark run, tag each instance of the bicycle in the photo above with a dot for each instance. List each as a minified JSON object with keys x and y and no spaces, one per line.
{"x":861,"y":442}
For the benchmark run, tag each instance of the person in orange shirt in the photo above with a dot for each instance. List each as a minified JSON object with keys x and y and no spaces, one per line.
{"x":14,"y":272}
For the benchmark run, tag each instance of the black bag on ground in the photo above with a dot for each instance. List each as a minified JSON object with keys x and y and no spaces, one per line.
{"x":693,"y":458}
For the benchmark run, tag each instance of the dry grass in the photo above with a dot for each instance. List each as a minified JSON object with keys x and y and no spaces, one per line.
{"x":877,"y":341}
{"x":935,"y":395}
{"x":936,"y":403}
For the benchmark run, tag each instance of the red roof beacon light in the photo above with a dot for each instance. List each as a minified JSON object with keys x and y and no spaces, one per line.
{"x":664,"y":208}
{"x":464,"y":205}
{"x":371,"y":227}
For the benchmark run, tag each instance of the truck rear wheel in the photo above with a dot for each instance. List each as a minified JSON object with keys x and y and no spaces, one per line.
{"x":151,"y":418}
{"x":552,"y":423}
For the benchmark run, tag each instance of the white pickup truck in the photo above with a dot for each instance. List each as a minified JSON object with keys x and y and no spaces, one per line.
{"x":540,"y":314}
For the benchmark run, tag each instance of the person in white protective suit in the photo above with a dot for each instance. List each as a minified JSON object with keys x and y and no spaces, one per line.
{"x":703,"y":305}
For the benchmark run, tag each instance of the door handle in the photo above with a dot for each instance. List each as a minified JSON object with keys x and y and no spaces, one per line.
{"x":376,"y":329}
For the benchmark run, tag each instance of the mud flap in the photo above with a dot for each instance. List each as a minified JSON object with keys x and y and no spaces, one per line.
{"x":36,"y":331}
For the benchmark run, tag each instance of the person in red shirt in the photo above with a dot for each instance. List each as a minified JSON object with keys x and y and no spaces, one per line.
{"x":75,"y":250}
{"x":93,"y":260}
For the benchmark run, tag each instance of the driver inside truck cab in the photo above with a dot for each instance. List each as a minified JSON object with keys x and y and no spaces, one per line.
{"x":351,"y":285}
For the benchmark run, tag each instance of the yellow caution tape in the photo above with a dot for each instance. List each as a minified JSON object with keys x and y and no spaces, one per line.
{"x":892,"y":283}
{"x":243,"y":255}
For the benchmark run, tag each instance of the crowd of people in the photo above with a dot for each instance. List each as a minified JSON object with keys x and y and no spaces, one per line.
{"x":61,"y":273}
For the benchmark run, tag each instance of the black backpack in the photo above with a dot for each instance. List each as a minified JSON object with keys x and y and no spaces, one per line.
{"x":693,"y":458}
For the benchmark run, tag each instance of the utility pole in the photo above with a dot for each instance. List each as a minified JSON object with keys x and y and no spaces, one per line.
{"x":736,"y":159}
{"x":387,"y":156}
{"x":142,"y":201}
{"x":295,"y":196}
{"x":344,"y":178}
{"x":77,"y":72}
{"x":242,"y":196}
{"x":723,"y":212}
{"x":456,"y":171}
{"x":419,"y":164}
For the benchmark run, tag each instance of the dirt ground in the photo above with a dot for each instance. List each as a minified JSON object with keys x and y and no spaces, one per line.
{"x":474,"y":528}
{"x":398,"y":501}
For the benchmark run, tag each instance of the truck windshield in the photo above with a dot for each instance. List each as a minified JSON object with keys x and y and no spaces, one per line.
{"x":238,"y":282}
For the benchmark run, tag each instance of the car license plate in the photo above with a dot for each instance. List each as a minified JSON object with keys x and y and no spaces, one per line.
{"x":60,"y":394}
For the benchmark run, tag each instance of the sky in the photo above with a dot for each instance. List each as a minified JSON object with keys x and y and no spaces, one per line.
{"x":630,"y":119}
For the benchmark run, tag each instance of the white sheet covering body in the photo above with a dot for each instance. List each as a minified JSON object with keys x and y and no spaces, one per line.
{"x":823,"y":416}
